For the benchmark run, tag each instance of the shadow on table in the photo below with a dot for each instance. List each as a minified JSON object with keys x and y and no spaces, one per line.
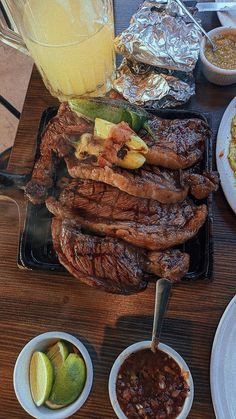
{"x":132,"y":329}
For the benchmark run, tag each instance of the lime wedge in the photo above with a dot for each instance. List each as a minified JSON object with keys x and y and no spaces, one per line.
{"x":41,"y":377}
{"x":57,"y":354}
{"x":69,"y":381}
{"x":53,"y":406}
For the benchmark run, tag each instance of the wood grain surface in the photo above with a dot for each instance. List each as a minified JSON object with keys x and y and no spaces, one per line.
{"x":33,"y":302}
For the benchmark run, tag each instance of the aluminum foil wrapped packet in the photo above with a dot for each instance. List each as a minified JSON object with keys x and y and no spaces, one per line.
{"x":161,"y":47}
{"x":152,"y":86}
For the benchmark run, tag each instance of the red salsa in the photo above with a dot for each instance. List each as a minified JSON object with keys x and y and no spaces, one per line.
{"x":151,"y":385}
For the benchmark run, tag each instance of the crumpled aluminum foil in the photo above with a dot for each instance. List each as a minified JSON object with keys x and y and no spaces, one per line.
{"x":154,"y":87}
{"x":162,"y":47}
{"x":162,"y":35}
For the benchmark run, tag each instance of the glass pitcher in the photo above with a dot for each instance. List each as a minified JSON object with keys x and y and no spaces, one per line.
{"x":70,"y":41}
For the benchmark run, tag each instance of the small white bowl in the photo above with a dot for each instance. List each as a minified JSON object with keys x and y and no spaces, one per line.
{"x":137,"y":347}
{"x":21,"y":376}
{"x":213,"y":73}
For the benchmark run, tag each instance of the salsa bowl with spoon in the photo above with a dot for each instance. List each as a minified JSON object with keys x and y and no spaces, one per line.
{"x":149,"y":377}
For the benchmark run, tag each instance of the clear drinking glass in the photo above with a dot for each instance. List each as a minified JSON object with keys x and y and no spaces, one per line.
{"x":70,"y":41}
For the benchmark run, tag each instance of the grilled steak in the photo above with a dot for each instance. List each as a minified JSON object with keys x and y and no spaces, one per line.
{"x":151,"y":182}
{"x":202,"y":185}
{"x":53,"y":147}
{"x":141,"y":222}
{"x":129,"y":216}
{"x":111,"y":264}
{"x":147,"y":182}
{"x":178,"y":143}
{"x":171,"y":264}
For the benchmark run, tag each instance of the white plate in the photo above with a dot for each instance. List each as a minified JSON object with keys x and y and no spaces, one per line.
{"x":223,"y":365}
{"x":228,"y":181}
{"x":227,"y":18}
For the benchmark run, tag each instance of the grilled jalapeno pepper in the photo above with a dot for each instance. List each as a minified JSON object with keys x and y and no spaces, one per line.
{"x":112,"y":110}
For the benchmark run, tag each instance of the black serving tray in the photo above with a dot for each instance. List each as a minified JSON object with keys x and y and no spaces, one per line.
{"x":36,"y":249}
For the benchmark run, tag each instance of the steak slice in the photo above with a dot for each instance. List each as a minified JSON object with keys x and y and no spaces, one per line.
{"x":147,"y":182}
{"x":202,"y":185}
{"x":108,"y":263}
{"x":178,"y":143}
{"x":96,"y":261}
{"x":171,"y":264}
{"x":53,"y":147}
{"x":142,"y":222}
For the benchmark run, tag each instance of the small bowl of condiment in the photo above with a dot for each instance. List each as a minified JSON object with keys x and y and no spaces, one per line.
{"x":53,"y":376}
{"x":219,"y":64}
{"x":146,"y":384}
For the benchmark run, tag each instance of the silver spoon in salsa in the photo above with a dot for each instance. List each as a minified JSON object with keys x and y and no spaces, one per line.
{"x":163,"y":289}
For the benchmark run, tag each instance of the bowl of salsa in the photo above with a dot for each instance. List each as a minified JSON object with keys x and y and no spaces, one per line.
{"x":143,"y":384}
{"x":219,"y":65}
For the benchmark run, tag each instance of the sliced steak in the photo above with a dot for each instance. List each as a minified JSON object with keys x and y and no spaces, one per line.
{"x":178,"y":143}
{"x":110,"y":264}
{"x":52,"y":148}
{"x":141,"y":222}
{"x":96,"y":261}
{"x":147,"y":182}
{"x":171,"y":264}
{"x":202,"y":185}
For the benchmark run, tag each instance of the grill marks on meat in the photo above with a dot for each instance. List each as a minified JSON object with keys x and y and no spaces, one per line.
{"x":108,"y":263}
{"x":53,"y":146}
{"x":142,"y":222}
{"x":178,"y":143}
{"x":101,"y":262}
{"x":134,"y":210}
{"x":147,"y":182}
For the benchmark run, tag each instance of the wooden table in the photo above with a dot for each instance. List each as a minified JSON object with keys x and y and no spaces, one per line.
{"x":32,"y":302}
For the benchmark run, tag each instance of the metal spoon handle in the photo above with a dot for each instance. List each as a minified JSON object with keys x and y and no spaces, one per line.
{"x":195,"y":21}
{"x":163,"y":288}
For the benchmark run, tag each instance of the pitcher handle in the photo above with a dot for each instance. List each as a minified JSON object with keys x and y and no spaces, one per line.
{"x":11,"y":38}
